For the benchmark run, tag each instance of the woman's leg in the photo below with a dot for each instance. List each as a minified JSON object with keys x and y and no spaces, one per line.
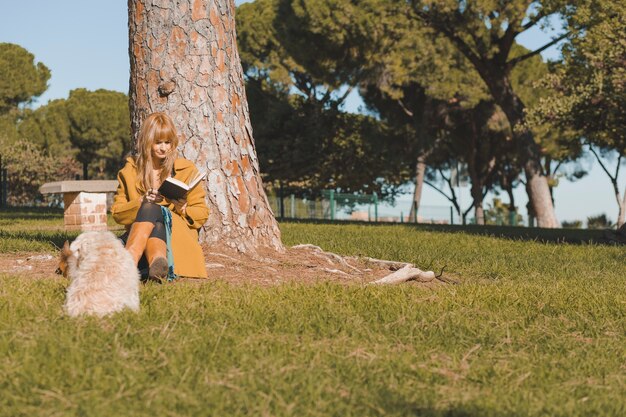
{"x":148,"y":216}
{"x":156,"y":252}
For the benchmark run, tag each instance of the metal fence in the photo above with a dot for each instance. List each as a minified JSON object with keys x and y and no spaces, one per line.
{"x":339,"y":206}
{"x":345,"y":207}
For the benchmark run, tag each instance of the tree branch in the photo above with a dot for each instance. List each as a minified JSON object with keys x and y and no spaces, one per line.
{"x":343,"y":98}
{"x":465,"y":49}
{"x":404,"y":109}
{"x":593,"y":151}
{"x":506,"y":42}
{"x":521,"y":58}
{"x":438,"y":190}
{"x":534,"y":21}
{"x":446,"y":179}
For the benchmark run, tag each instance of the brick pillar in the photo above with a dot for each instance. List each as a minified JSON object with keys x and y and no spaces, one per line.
{"x":85,"y":211}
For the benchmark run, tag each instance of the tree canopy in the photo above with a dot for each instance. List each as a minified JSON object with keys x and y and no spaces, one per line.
{"x":21,"y":80}
{"x":304,"y":141}
{"x":99,"y":127}
{"x":49,"y":128}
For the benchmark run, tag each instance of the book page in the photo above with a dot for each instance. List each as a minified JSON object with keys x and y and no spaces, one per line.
{"x":178,"y":182}
{"x":197,"y":179}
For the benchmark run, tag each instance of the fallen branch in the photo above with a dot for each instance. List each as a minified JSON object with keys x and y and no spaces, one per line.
{"x":407,"y":273}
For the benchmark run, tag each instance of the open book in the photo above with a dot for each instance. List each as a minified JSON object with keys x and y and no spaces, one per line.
{"x":174,"y":189}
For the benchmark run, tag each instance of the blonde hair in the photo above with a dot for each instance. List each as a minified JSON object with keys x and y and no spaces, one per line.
{"x":157,"y":126}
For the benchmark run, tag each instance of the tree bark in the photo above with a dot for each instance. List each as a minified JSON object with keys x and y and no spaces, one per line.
{"x":420,"y":172}
{"x":184,"y":61}
{"x":536,"y":183}
{"x":550,"y":176}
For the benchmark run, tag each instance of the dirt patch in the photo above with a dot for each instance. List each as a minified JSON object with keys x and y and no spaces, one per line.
{"x":303,"y":265}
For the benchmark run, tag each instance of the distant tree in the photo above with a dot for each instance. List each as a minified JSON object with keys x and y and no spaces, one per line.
{"x":99,"y":127}
{"x":588,"y":87}
{"x":480,"y":137}
{"x":21,"y":80}
{"x":392,"y":46}
{"x":49,"y":127}
{"x":304,"y":148}
{"x":447,"y":124}
{"x":372,"y":45}
{"x":305,"y":143}
{"x":411,"y":114}
{"x":28,"y":168}
{"x":485,"y":33}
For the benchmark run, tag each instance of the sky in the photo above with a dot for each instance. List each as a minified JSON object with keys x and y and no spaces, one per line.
{"x":85,"y":45}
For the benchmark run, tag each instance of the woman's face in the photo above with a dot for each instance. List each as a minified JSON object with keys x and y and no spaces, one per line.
{"x":161,"y":148}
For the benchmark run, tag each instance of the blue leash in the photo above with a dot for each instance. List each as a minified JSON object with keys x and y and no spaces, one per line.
{"x":167,"y":220}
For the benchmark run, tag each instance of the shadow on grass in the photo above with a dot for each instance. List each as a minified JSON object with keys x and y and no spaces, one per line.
{"x":54,"y":238}
{"x":395,"y":404}
{"x":536,"y":234}
{"x":31,"y":213}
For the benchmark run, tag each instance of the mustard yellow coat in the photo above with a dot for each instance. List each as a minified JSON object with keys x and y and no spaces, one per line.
{"x":188,"y":257}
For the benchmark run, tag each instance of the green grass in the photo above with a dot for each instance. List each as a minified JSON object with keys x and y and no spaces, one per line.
{"x":534,"y":329}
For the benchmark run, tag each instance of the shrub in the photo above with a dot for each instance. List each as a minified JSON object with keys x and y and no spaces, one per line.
{"x":574,"y":224}
{"x":601,"y":221}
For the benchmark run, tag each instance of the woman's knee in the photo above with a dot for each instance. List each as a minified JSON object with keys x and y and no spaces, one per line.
{"x":149,"y":212}
{"x":159,"y":231}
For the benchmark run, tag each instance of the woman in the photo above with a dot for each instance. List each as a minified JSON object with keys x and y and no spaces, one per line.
{"x":166,"y":231}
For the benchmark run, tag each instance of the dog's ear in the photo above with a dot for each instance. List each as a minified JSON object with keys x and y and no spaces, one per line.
{"x":64,"y":255}
{"x":66,"y":252}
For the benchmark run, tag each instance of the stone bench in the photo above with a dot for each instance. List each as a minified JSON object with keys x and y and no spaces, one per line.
{"x":85,"y":202}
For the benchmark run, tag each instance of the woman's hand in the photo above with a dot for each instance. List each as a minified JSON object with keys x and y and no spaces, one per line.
{"x":153,"y":196}
{"x":180,"y":205}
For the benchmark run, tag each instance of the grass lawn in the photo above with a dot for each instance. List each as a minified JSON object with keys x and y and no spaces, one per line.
{"x":534,"y":329}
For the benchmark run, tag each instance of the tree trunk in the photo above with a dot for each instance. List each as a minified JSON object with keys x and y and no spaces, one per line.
{"x":621,"y":217}
{"x":536,"y":183}
{"x":550,"y":176}
{"x":477,"y":198}
{"x":479,"y":212}
{"x":184,"y":61}
{"x":85,"y":171}
{"x":621,"y":203}
{"x":509,"y":192}
{"x":420,"y":172}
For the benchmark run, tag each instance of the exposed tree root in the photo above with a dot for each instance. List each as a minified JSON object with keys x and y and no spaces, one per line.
{"x":319,"y":251}
{"x":403,"y":271}
{"x":393,"y":265}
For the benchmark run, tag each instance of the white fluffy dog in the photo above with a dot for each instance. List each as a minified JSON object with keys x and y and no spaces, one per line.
{"x":103,"y":276}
